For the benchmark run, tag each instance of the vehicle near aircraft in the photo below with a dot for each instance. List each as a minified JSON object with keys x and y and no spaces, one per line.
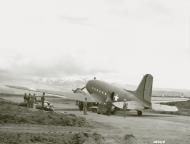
{"x":47,"y":106}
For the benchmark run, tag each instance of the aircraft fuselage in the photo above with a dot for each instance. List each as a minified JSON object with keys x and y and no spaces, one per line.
{"x":103,"y":89}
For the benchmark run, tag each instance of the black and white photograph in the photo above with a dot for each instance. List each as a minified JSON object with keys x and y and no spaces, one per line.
{"x":94,"y":71}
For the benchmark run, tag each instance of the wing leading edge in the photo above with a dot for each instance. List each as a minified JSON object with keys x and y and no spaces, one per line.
{"x":64,"y":95}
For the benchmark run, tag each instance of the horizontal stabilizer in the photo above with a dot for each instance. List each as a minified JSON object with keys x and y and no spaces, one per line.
{"x":166,"y":108}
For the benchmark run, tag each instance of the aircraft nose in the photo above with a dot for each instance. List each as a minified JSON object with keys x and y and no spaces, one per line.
{"x":88,"y":84}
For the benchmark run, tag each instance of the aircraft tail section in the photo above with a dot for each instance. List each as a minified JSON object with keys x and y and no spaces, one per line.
{"x":144,"y":90}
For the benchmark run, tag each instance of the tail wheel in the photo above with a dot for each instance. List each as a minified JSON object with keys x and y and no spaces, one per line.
{"x":139,"y":113}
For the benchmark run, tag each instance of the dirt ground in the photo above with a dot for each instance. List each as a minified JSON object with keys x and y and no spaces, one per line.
{"x":115,"y":129}
{"x":149,"y":128}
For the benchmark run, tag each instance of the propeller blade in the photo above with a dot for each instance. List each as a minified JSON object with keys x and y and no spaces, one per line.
{"x":83,"y":88}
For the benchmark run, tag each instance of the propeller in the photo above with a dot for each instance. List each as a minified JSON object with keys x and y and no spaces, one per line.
{"x":83,"y":88}
{"x":80,"y":90}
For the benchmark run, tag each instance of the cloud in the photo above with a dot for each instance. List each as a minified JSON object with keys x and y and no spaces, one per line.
{"x":130,"y":37}
{"x":142,"y":10}
{"x":62,"y":68}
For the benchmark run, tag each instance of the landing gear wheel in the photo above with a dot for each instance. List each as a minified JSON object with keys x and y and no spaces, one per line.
{"x":113,"y":110}
{"x":98,"y":109}
{"x":139,"y":113}
{"x":80,"y":106}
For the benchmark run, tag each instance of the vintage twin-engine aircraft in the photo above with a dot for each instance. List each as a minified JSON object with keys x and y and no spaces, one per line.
{"x":137,"y":100}
{"x":99,"y":91}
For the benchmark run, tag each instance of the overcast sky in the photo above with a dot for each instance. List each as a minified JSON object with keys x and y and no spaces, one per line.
{"x":116,"y":40}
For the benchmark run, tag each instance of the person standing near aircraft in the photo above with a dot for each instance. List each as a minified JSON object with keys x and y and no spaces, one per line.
{"x":109,"y":103}
{"x":30,"y":100}
{"x":34,"y":98}
{"x":43,"y":99}
{"x":25,"y":98}
{"x":125,"y":105}
{"x":85,"y":106}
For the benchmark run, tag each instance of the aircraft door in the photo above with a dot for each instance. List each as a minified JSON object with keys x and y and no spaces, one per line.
{"x":114,"y":97}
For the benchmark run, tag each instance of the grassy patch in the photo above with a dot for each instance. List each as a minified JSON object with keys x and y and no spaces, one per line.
{"x":12,"y":113}
{"x":65,"y":138}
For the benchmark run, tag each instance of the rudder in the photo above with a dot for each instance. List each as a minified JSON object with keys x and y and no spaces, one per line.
{"x":144,"y":90}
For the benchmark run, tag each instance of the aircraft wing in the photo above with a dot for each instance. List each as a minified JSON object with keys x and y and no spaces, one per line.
{"x":166,"y":108}
{"x":158,"y":103}
{"x":75,"y":96}
{"x":158,"y":100}
{"x":64,"y":95}
{"x":20,"y":87}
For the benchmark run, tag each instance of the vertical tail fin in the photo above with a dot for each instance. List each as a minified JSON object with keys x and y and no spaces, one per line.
{"x":144,"y":90}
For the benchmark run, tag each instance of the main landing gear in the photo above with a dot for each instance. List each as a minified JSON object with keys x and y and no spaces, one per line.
{"x":139,"y":113}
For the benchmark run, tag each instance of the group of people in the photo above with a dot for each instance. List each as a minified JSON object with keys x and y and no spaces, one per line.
{"x":30,"y":100}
